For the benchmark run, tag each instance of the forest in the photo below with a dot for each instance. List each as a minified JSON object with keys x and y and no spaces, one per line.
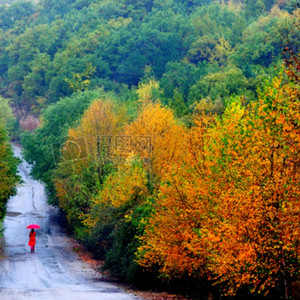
{"x":169,"y":136}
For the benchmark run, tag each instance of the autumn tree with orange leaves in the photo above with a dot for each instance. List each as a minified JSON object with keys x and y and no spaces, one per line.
{"x":166,"y":136}
{"x":86,"y":159}
{"x":121,"y":209}
{"x":117,"y":218}
{"x":230,"y":209}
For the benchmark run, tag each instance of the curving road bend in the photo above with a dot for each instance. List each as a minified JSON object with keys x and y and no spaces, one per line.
{"x":54,"y":271}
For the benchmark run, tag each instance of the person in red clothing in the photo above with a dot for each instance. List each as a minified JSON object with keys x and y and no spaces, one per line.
{"x":32,"y":240}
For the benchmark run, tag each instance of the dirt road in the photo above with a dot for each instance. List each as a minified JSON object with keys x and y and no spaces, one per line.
{"x":54,"y":271}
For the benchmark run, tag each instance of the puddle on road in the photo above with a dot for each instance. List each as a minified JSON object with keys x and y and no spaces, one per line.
{"x":13,"y":213}
{"x":37,"y":215}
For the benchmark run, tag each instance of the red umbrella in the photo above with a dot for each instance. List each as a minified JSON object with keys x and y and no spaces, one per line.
{"x":33,"y":226}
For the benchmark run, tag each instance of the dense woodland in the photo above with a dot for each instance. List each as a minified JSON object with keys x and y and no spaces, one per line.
{"x":169,"y":135}
{"x":196,"y":49}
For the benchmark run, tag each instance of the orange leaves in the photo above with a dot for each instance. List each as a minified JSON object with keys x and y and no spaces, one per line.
{"x":224,"y":193}
{"x":84,"y":157}
{"x":91,"y":140}
{"x":229,"y":205}
{"x":262,"y":221}
{"x":100,"y":119}
{"x":99,"y":123}
{"x":167,"y":137}
{"x":173,"y":235}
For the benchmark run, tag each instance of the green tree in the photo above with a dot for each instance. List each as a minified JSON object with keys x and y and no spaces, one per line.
{"x":266,"y":32}
{"x":8,"y":172}
{"x":42,"y":147}
{"x":220,"y":85}
{"x":16,"y":11}
{"x":117,"y":218}
{"x":6,"y":115}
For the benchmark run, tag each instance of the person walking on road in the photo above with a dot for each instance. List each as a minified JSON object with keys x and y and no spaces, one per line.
{"x":32,"y":240}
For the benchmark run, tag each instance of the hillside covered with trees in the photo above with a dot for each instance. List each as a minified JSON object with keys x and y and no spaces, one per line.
{"x":169,"y":135}
{"x":196,"y":49}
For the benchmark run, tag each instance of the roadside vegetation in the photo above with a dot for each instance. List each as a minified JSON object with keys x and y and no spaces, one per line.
{"x":8,"y":163}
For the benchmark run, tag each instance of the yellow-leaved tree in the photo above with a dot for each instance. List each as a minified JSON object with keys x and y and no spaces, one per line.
{"x":157,"y":137}
{"x":230,"y":208}
{"x":118,"y":214}
{"x":86,"y":159}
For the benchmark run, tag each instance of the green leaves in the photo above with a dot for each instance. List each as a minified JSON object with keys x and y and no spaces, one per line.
{"x":8,"y":171}
{"x":42,"y":146}
{"x":53,"y":50}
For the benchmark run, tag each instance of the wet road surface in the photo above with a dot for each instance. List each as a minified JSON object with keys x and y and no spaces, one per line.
{"x":54,"y":271}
